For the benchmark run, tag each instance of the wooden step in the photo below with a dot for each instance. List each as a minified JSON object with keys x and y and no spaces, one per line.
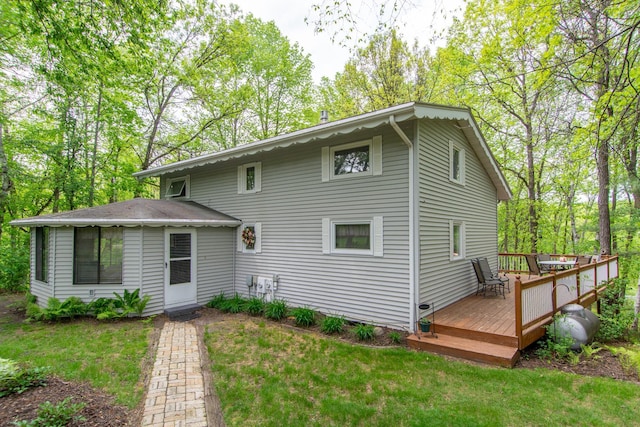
{"x":488,"y":337}
{"x":464,"y":348}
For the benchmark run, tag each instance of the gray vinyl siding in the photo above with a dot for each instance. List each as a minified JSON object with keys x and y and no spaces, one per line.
{"x":215,"y":262}
{"x":290,"y":208}
{"x":441,"y":280}
{"x":153,"y":268}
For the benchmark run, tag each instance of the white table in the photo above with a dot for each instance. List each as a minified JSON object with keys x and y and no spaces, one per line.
{"x":561,"y":265}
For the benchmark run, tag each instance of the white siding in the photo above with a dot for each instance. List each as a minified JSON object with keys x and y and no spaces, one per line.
{"x":153,"y":268}
{"x":215,"y":262}
{"x":41,"y":290}
{"x":443,"y":281}
{"x":290,"y":208}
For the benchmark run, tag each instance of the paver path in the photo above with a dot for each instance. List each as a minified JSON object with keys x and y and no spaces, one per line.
{"x":176,"y":395}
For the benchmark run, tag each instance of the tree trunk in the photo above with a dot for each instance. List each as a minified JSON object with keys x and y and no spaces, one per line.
{"x":5,"y":180}
{"x":94,"y":153}
{"x":604,"y":216}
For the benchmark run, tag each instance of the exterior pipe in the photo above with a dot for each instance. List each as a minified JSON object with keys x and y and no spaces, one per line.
{"x":412,"y":245}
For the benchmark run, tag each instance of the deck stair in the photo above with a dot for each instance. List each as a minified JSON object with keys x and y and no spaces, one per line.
{"x":183,"y":313}
{"x":465,"y":348}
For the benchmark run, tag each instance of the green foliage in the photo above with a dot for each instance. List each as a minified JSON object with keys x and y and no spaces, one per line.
{"x":233,"y":305}
{"x":395,"y":337}
{"x":332,"y":325}
{"x":276,"y":310}
{"x":304,"y":316}
{"x":14,"y":265}
{"x":364,"y":332}
{"x":72,"y":307}
{"x":616,"y":314}
{"x":17,"y":379}
{"x":217,"y":301}
{"x":254,"y":306}
{"x":130,"y":302}
{"x":60,"y":415}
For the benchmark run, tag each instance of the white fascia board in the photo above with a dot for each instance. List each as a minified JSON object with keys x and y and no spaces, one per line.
{"x":122,"y":223}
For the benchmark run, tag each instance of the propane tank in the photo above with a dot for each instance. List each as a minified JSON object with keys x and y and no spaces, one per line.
{"x":577,"y":323}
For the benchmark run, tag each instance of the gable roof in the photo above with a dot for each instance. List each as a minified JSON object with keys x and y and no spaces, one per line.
{"x":136,"y":213}
{"x":410,"y":111}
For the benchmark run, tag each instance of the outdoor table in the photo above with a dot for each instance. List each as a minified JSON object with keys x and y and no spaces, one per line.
{"x":560,"y":265}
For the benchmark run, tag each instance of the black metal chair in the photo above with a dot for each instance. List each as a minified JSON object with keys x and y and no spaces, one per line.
{"x":487,"y":273}
{"x":484,"y":283}
{"x":583,"y":260}
{"x":534,"y":268}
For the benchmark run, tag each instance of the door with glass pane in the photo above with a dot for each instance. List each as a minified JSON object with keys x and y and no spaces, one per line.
{"x":180,"y":267}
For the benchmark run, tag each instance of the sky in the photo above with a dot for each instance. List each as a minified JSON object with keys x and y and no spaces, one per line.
{"x":420,"y":20}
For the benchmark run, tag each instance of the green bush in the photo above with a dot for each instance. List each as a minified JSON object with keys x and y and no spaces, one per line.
{"x":276,"y":310}
{"x":332,"y":325}
{"x":233,"y":305}
{"x":14,"y":264}
{"x":304,"y":316}
{"x":254,"y":306}
{"x":50,"y":415}
{"x":364,"y":332}
{"x":616,"y":313}
{"x":395,"y":337}
{"x":217,"y":301}
{"x":16,"y":379}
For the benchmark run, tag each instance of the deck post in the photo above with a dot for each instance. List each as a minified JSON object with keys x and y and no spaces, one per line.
{"x":518,"y":291}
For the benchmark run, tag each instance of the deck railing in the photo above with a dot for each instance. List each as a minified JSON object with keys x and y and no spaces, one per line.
{"x":538,"y":299}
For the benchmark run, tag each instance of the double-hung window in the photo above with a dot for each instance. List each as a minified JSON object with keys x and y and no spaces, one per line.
{"x":42,"y":254}
{"x":250,"y":178}
{"x":362,"y":158}
{"x":97,"y":255}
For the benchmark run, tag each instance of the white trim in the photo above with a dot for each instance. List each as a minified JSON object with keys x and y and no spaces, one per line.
{"x":186,"y":186}
{"x":461,"y":255}
{"x":453,"y":148}
{"x":181,"y":293}
{"x":374,"y":146}
{"x":257,"y":177}
{"x":376,"y":236}
{"x":103,"y":222}
{"x":257,"y":246}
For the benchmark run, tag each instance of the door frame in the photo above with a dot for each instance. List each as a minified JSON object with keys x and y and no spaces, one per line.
{"x":180,"y":293}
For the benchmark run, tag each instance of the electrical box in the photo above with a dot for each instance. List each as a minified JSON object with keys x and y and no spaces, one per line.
{"x":249,"y":281}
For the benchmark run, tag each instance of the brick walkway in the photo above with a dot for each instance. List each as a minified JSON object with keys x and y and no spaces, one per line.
{"x":176,"y":395}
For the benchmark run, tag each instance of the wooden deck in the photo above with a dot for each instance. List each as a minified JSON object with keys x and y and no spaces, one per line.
{"x":480,"y":328}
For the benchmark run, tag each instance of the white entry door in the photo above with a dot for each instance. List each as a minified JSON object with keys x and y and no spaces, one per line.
{"x":180,"y":284}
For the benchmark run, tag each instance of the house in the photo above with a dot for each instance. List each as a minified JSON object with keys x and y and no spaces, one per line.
{"x":364,"y":217}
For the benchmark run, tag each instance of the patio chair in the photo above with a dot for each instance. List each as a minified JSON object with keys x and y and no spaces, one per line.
{"x":486,"y":283}
{"x":583,"y":260}
{"x":487,"y":273}
{"x":534,"y":268}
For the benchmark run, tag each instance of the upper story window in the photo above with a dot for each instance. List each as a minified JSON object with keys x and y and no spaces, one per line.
{"x":42,"y":254}
{"x":250,"y":178}
{"x":97,"y":255}
{"x":360,"y":158}
{"x":177,"y":187}
{"x":457,"y":240}
{"x":456,"y":162}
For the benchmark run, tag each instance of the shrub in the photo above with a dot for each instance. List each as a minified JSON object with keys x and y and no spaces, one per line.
{"x":130,"y":302}
{"x":16,"y":379}
{"x":364,"y":332}
{"x":217,"y":301}
{"x":56,"y":310}
{"x":276,"y":310}
{"x":304,"y":316}
{"x":395,"y":337}
{"x":254,"y":306}
{"x":332,"y":325}
{"x":233,"y":305}
{"x":50,"y":415}
{"x":14,"y":264}
{"x":615,"y":317}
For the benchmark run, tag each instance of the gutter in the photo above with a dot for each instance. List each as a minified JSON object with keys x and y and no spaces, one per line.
{"x":124,"y":223}
{"x":412,"y":226}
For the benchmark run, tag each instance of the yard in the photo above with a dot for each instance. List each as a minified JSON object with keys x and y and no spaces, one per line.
{"x":267,"y":373}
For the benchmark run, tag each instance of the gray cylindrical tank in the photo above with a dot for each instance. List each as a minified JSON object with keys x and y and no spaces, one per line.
{"x":577,"y":323}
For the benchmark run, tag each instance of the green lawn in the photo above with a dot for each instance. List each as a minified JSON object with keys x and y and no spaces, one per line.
{"x":108,"y":355}
{"x":266,"y":375}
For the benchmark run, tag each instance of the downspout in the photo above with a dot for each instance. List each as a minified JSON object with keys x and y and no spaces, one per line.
{"x":412,"y":243}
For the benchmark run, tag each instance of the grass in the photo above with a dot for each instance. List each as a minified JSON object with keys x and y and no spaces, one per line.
{"x":266,"y":375}
{"x":107,"y":355}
